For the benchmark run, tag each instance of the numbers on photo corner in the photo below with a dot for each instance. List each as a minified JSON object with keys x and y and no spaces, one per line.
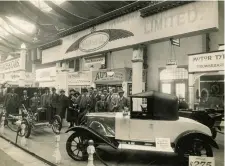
{"x":200,"y":163}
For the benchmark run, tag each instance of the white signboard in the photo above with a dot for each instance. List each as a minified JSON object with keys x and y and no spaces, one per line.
{"x":12,"y":76}
{"x":213,"y":61}
{"x":9,"y":66}
{"x":162,"y":143}
{"x":93,"y":60}
{"x":46,"y":74}
{"x":201,"y":161}
{"x":192,"y":18}
{"x":79,"y":78}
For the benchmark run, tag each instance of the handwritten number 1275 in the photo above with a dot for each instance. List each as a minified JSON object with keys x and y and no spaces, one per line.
{"x":202,"y":163}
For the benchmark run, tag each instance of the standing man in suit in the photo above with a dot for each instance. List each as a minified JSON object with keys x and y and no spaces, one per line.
{"x":35,"y":102}
{"x":122,"y":101}
{"x":63,"y":104}
{"x":11,"y":103}
{"x":101,"y":106}
{"x":84,"y":104}
{"x":45,"y":102}
{"x":92,"y":95}
{"x":54,"y":103}
{"x":25,"y":100}
{"x":111,"y":101}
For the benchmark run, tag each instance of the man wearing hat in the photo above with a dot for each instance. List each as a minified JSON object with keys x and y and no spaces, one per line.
{"x":54,"y":102}
{"x":63,"y":104}
{"x":122,"y":101}
{"x":45,"y":102}
{"x":84,"y":103}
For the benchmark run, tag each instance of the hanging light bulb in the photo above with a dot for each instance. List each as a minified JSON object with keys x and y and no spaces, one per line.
{"x":23,"y":46}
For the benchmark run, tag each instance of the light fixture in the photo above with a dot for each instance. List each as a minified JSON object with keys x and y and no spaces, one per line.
{"x":110,"y":73}
{"x":23,"y":46}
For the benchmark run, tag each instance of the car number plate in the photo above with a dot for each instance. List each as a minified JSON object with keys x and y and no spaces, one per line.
{"x":201,"y":161}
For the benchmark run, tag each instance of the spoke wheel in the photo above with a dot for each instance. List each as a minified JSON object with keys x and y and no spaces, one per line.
{"x":57,"y":124}
{"x":76,"y":146}
{"x":194,"y":147}
{"x":27,"y":128}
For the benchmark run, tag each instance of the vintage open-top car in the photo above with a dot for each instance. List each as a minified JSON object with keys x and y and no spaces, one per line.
{"x":148,"y":129}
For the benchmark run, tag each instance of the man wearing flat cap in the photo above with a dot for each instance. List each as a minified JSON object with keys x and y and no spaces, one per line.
{"x":122,"y":101}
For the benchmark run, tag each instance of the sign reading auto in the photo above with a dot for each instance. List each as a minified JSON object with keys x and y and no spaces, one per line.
{"x":11,"y":65}
{"x":213,"y":61}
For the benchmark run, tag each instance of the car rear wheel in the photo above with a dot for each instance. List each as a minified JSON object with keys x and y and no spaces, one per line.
{"x":195,"y":147}
{"x":76,"y":146}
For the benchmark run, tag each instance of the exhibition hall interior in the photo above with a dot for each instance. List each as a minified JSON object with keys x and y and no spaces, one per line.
{"x":111,"y":83}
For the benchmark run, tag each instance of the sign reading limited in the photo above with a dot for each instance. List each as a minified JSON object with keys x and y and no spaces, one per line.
{"x":213,"y":61}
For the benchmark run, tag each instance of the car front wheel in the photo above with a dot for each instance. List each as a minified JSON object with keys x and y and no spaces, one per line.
{"x":76,"y":146}
{"x":195,"y":147}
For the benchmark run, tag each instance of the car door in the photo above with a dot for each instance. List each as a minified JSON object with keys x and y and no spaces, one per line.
{"x":142,"y":130}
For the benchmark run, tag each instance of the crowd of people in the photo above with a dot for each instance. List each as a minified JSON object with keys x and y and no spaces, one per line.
{"x":72,"y":107}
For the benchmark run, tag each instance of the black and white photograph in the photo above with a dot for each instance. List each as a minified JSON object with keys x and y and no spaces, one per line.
{"x":112,"y":83}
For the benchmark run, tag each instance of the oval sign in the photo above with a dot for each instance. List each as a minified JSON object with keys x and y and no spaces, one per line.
{"x":94,"y":42}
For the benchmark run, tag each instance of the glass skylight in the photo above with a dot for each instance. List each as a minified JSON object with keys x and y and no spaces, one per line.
{"x":43,"y":6}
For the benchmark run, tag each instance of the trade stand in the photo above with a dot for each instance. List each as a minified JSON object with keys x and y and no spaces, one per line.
{"x":206,"y":79}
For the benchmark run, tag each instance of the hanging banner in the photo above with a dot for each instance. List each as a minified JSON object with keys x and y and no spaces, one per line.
{"x":213,"y":61}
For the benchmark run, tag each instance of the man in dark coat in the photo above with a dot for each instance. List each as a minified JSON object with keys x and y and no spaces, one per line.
{"x":25,"y":100}
{"x":72,"y":112}
{"x":101,"y":106}
{"x":11,"y":103}
{"x":63,"y":104}
{"x":54,"y":102}
{"x":92,"y":95}
{"x":35,"y":102}
{"x":111,"y":101}
{"x":84,"y":104}
{"x":45,"y":102}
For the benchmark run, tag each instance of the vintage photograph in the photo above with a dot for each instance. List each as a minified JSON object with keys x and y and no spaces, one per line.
{"x":111,"y":83}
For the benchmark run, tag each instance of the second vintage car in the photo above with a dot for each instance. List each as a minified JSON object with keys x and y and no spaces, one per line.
{"x":154,"y":126}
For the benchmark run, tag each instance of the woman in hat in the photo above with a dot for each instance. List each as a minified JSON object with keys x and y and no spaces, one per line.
{"x":72,"y":112}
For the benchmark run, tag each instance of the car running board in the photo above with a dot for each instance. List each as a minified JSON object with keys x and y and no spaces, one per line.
{"x":144,"y":148}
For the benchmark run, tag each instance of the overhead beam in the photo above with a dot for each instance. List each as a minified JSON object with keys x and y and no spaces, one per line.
{"x":90,"y":9}
{"x":19,"y":38}
{"x":8,"y":21}
{"x":30,"y":6}
{"x":4,"y":45}
{"x":7,"y":41}
{"x":72,"y":17}
{"x":26,"y":16}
